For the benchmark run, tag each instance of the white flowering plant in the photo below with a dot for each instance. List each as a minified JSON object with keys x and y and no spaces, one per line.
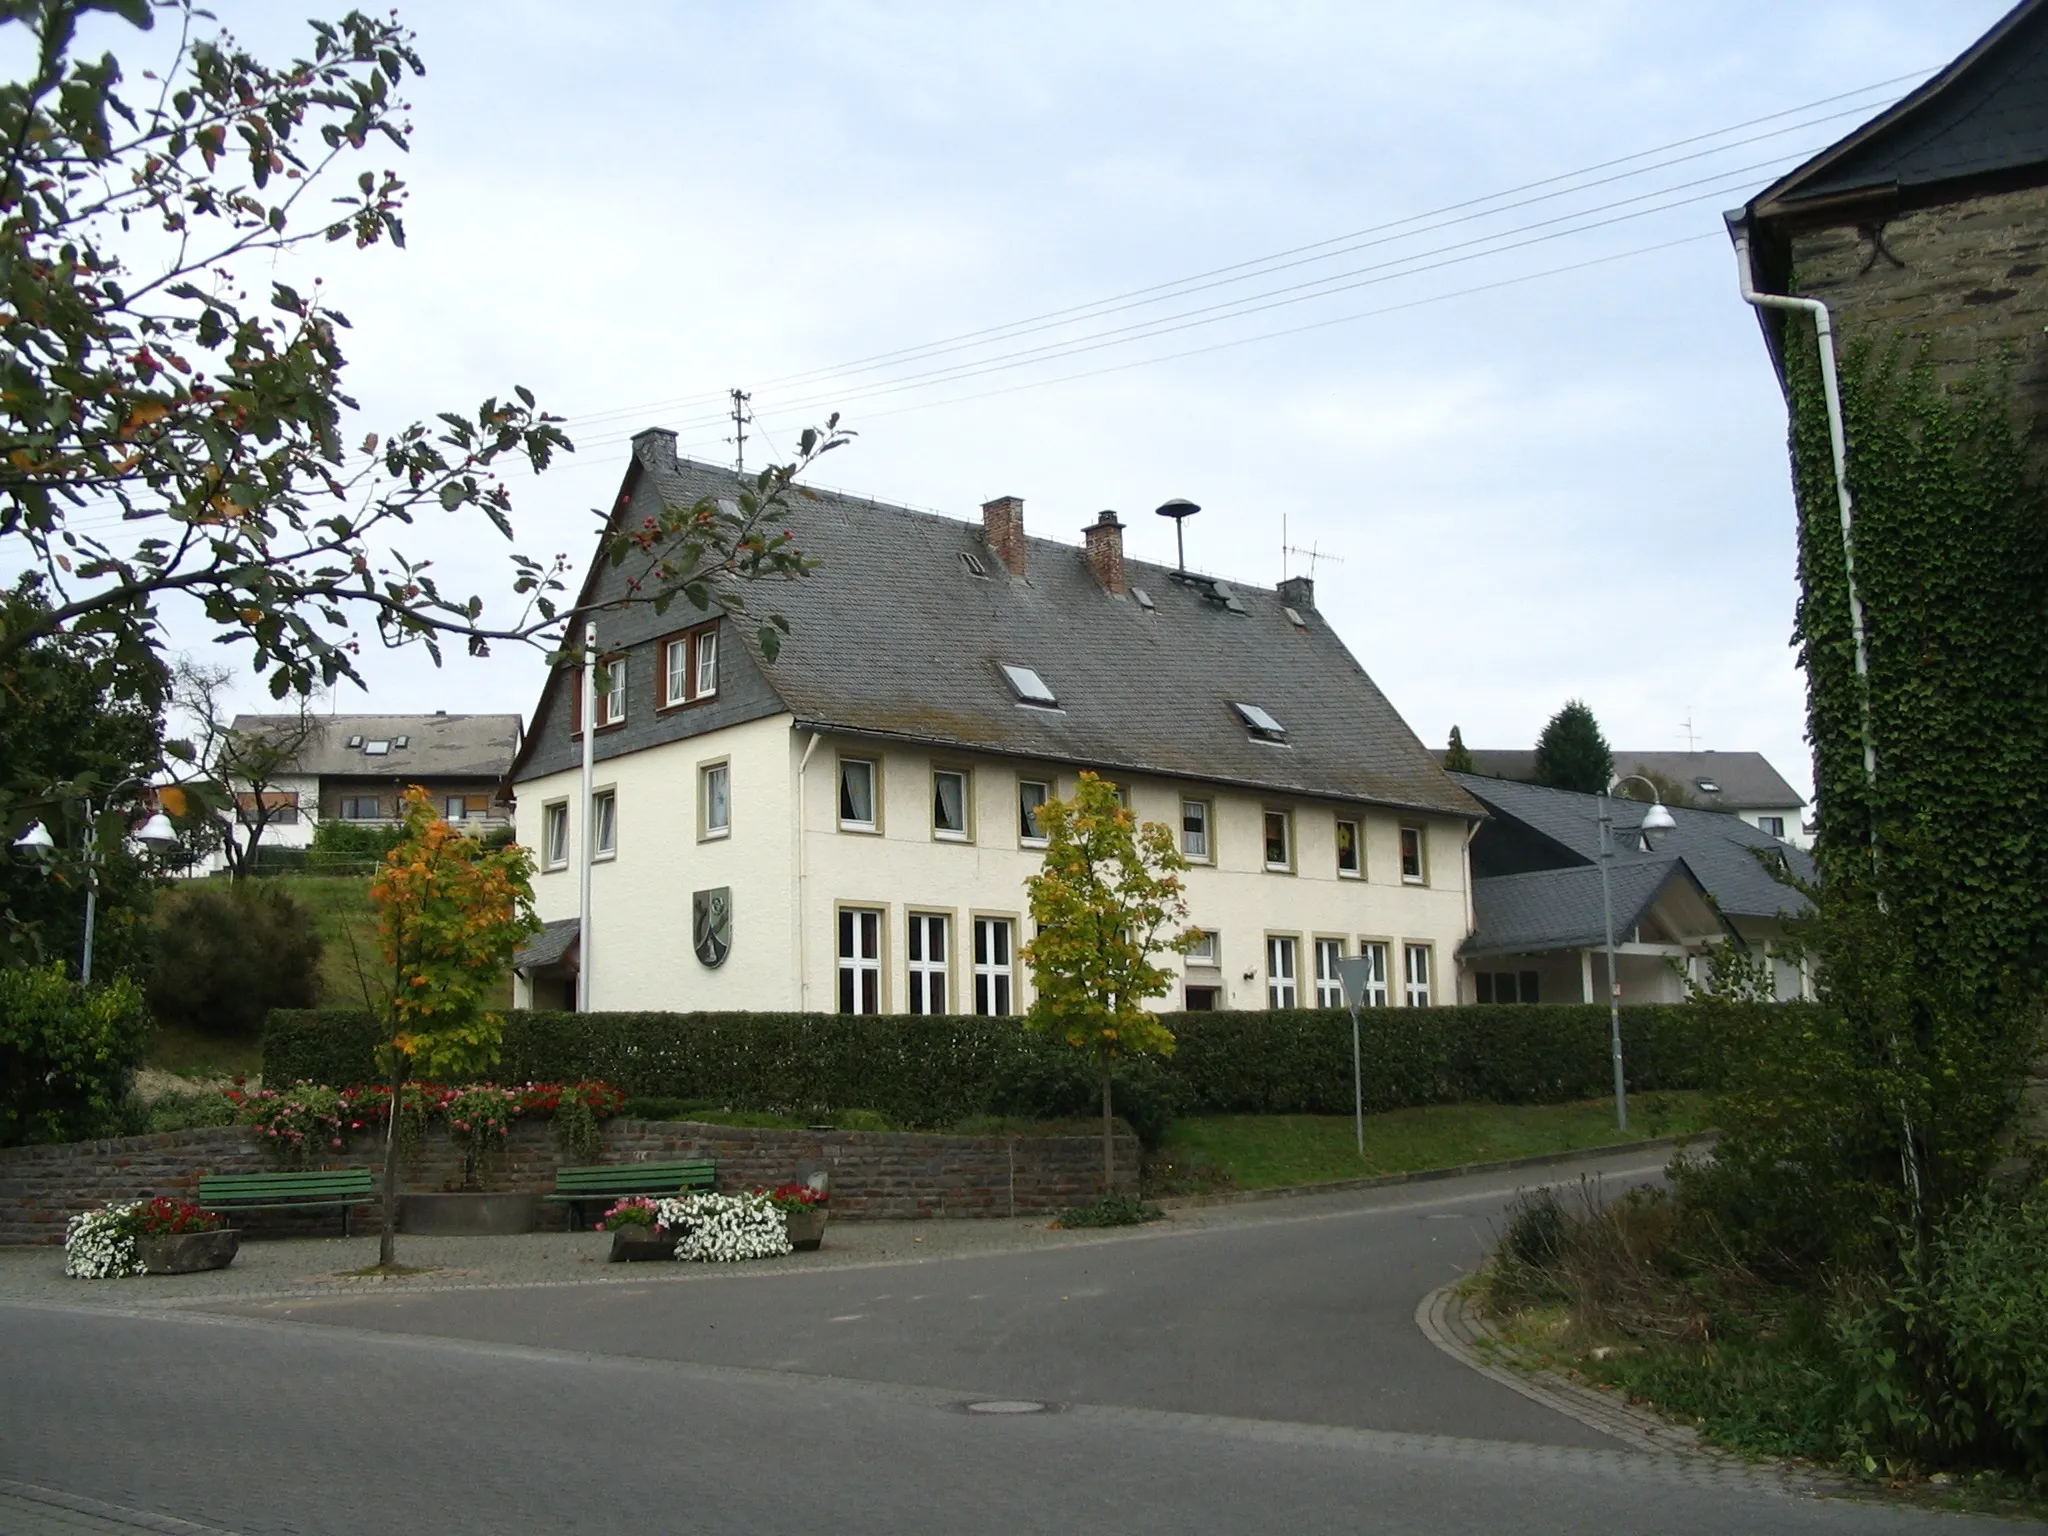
{"x":100,"y":1245}
{"x":724,"y":1229}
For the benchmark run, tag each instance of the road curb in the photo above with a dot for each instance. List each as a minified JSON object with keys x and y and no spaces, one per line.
{"x":1424,"y":1175}
{"x":1458,"y":1328}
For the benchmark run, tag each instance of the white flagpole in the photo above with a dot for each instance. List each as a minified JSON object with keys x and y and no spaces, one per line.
{"x":588,"y":838}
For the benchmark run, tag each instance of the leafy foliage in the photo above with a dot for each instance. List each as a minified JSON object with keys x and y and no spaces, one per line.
{"x":66,"y":1053}
{"x":225,"y":955}
{"x":176,"y":417}
{"x":1456,"y":758}
{"x":451,"y":915}
{"x":1571,"y":753}
{"x":933,"y":1072}
{"x":1110,"y":1211}
{"x":73,"y":720}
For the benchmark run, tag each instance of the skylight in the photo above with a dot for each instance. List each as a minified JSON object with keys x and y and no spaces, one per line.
{"x":974,"y":565}
{"x":1295,"y":619}
{"x":355,"y":741}
{"x":377,"y":747}
{"x":1708,"y":786}
{"x":1029,"y":687}
{"x":400,"y":742}
{"x":1144,"y":598}
{"x":1262,"y":725}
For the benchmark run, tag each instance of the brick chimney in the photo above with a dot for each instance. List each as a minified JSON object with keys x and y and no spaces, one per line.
{"x":1298,"y":592}
{"x":1106,"y":552}
{"x":1002,"y":529}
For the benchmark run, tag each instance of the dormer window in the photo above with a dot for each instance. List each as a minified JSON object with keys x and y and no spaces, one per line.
{"x":1262,"y":725}
{"x":1029,"y":687}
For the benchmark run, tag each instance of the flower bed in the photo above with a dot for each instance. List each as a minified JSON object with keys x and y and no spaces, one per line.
{"x":100,"y":1244}
{"x":724,"y":1229}
{"x":302,"y":1123}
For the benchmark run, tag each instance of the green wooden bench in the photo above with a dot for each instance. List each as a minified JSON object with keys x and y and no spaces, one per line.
{"x":315,"y":1189}
{"x":604,"y":1183}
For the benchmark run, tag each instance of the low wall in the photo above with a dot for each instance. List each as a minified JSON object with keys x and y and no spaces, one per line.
{"x":875,"y":1175}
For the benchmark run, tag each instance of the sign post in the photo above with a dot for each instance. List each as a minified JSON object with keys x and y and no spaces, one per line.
{"x":1356,"y":972}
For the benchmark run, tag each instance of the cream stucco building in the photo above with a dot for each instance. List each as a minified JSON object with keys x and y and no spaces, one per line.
{"x":850,"y":826}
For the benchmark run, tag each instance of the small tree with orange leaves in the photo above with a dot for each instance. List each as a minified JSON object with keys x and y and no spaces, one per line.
{"x":451,"y":914}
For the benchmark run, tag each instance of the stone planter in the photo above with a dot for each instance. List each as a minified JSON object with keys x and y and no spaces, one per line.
{"x":469,"y":1214}
{"x":185,"y":1253}
{"x":806,"y":1228}
{"x":632,"y":1245}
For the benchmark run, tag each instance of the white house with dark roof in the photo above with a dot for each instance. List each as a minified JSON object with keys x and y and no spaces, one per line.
{"x":850,"y":826}
{"x":1539,"y":933}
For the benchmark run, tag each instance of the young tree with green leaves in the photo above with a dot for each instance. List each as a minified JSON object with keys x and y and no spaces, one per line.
{"x":451,"y":914}
{"x":1108,"y":899}
{"x":176,"y":417}
{"x":1572,"y":754}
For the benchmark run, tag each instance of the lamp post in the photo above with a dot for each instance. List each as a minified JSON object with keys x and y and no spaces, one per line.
{"x":1356,"y":972}
{"x":156,"y":833}
{"x":1655,"y":819}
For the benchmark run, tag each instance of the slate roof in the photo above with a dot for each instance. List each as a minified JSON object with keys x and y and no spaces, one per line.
{"x":1562,"y":908}
{"x":1985,"y":115}
{"x":437,"y":746}
{"x":1720,"y":850}
{"x":1748,"y":781}
{"x":894,"y":637}
{"x":547,"y":947}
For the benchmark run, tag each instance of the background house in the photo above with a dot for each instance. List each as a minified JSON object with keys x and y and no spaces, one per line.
{"x":354,"y":767}
{"x":851,"y":825}
{"x":1537,"y":905}
{"x":1743,"y":784}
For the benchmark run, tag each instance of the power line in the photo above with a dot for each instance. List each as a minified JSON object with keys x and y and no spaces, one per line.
{"x":1281,"y":259}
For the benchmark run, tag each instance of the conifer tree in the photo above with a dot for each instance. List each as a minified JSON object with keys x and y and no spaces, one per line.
{"x":1571,"y":753}
{"x":1456,"y":758}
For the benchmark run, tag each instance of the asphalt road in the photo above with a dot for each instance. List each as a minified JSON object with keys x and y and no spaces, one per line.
{"x":1260,"y":1375}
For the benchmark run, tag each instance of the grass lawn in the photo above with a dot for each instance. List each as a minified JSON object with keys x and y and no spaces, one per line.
{"x":188,"y":1053}
{"x":341,"y":910}
{"x":1265,"y":1151}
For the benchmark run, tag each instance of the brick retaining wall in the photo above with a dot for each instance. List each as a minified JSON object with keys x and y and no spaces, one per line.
{"x":875,"y":1175}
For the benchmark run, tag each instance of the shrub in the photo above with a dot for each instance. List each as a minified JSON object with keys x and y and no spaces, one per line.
{"x":926,"y":1072}
{"x":351,"y":845}
{"x":66,"y":1054}
{"x":226,"y":954}
{"x":1111,"y":1211}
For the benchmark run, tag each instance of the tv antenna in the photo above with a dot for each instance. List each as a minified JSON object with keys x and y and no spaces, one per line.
{"x":1312,"y":554}
{"x":1686,"y":726}
{"x":741,"y":416}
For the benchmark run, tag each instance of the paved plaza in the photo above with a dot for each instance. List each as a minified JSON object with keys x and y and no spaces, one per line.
{"x":1239,"y":1368}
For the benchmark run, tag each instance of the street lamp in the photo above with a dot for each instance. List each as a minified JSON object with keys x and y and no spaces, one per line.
{"x":156,"y":834}
{"x":1655,"y":819}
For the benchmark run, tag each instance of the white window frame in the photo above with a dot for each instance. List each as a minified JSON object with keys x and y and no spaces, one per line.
{"x":1357,"y":870}
{"x":1207,"y":834}
{"x":1283,"y":970}
{"x":1205,"y":953}
{"x":611,"y":699}
{"x":930,"y":975}
{"x":1375,"y":950}
{"x":704,"y":664}
{"x":455,"y":807}
{"x":604,"y":825}
{"x":709,"y":774}
{"x":874,"y":768}
{"x":1773,"y":825}
{"x":675,"y":668}
{"x":554,"y":834}
{"x":1286,"y":865}
{"x":1417,"y":980}
{"x":995,"y":980}
{"x":1329,"y":984}
{"x":1421,"y":836}
{"x":1026,"y":839}
{"x":860,"y":964}
{"x":965,"y":832}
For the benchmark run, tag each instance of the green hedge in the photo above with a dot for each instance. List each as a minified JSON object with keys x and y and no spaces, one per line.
{"x":937,"y":1071}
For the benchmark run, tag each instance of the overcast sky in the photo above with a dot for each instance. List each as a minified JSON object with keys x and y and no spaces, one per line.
{"x":1563,"y":485}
